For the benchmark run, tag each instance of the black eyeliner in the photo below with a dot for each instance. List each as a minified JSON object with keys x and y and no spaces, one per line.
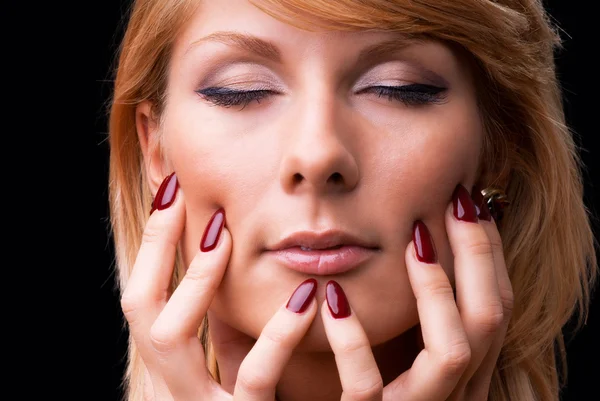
{"x":412,"y":94}
{"x":227,"y":97}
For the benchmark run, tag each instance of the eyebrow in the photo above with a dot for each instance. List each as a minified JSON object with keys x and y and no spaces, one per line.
{"x":247,"y":43}
{"x":269,"y":51}
{"x":384,"y":49}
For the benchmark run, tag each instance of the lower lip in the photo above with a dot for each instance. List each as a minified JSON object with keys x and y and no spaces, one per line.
{"x":323,"y":262}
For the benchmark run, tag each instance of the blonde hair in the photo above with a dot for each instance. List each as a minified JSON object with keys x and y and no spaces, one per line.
{"x":528,"y":149}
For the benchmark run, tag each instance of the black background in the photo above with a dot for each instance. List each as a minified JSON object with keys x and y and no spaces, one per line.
{"x":575,"y":73}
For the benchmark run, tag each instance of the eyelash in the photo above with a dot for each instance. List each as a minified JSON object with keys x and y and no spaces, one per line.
{"x":226,"y":97}
{"x":410,"y":95}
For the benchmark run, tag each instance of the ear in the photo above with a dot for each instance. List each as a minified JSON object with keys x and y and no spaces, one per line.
{"x":147,"y":126}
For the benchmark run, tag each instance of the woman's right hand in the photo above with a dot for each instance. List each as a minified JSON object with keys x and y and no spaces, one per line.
{"x":164,"y":326}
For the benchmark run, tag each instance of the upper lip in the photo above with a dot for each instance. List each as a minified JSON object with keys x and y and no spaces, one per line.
{"x":320,"y":240}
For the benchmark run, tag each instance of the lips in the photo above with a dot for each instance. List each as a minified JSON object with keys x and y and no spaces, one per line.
{"x":321,"y":240}
{"x":322,"y":253}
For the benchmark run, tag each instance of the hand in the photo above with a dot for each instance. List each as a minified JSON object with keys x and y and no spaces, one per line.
{"x":462,"y":338}
{"x":164,"y":326}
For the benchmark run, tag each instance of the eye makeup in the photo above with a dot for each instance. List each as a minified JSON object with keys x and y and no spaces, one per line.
{"x":409,"y":95}
{"x":399,"y":79}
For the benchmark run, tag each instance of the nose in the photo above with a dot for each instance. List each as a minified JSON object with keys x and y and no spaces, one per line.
{"x":318,"y":155}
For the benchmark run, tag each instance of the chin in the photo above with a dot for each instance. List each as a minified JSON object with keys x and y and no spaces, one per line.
{"x":378,"y":331}
{"x":249,"y":300}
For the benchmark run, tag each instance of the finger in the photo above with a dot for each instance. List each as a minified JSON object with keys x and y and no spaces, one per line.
{"x":174,"y":334}
{"x":479,"y":385}
{"x":147,"y":288}
{"x":477,"y":291}
{"x":446,"y":355}
{"x":359,"y":374}
{"x":261,"y":370}
{"x":148,"y":284}
{"x":230,"y":347}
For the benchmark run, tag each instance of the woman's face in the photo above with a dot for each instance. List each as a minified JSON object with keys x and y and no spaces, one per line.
{"x":359,"y":133}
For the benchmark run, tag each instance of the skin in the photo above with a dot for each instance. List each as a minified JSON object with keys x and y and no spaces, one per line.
{"x":270,"y":166}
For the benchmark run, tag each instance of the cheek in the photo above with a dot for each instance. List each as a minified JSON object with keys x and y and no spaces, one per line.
{"x":217,"y":166}
{"x":418,"y":160}
{"x":452,"y":156}
{"x":422,"y":159}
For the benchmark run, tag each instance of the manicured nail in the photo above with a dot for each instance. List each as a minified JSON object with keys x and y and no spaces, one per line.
{"x":302,"y":296}
{"x":211,"y":235}
{"x":464,"y":208}
{"x":424,"y":247}
{"x":165,"y":196}
{"x":483,"y":212}
{"x":337,"y":301}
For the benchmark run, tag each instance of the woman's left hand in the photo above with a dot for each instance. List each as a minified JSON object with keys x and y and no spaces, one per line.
{"x":462,"y":338}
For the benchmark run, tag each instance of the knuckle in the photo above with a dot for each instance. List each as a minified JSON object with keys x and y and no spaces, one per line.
{"x":152,"y":233}
{"x":129,"y":305}
{"x":370,"y":388}
{"x":163,"y":339}
{"x":277,"y":338}
{"x":489,"y":318}
{"x":480,"y":247}
{"x":353,"y":346}
{"x":253,"y":381}
{"x":454,"y":361}
{"x":508,"y":301}
{"x":202,"y":278}
{"x":135,"y":303}
{"x":438,"y":288}
{"x":132,"y":305}
{"x":159,"y":233}
{"x":496,"y":244}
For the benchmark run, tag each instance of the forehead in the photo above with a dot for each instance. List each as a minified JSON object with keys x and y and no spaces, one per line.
{"x":238,"y":26}
{"x":243,"y":17}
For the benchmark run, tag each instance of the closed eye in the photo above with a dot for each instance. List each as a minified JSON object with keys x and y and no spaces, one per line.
{"x":411,"y":95}
{"x":226,"y":97}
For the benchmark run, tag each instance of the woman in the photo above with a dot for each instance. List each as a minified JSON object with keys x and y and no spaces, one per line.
{"x":304,"y":187}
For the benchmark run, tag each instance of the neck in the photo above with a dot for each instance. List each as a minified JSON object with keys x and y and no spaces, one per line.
{"x":314,"y":376}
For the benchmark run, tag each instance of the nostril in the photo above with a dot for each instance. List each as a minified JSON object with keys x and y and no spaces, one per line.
{"x":336,"y":178}
{"x":297,"y":178}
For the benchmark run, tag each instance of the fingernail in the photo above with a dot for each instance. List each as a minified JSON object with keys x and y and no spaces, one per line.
{"x":464,"y":208}
{"x":424,"y":247}
{"x":211,"y":235}
{"x":337,"y":301}
{"x":302,"y":296}
{"x":480,"y":206}
{"x":165,"y":196}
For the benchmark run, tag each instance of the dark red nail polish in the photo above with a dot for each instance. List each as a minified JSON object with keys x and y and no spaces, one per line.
{"x":302,"y":296}
{"x":424,"y":247}
{"x":337,"y":301}
{"x":483,"y":212}
{"x":165,"y":196}
{"x":212,"y":233}
{"x":464,"y":208}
